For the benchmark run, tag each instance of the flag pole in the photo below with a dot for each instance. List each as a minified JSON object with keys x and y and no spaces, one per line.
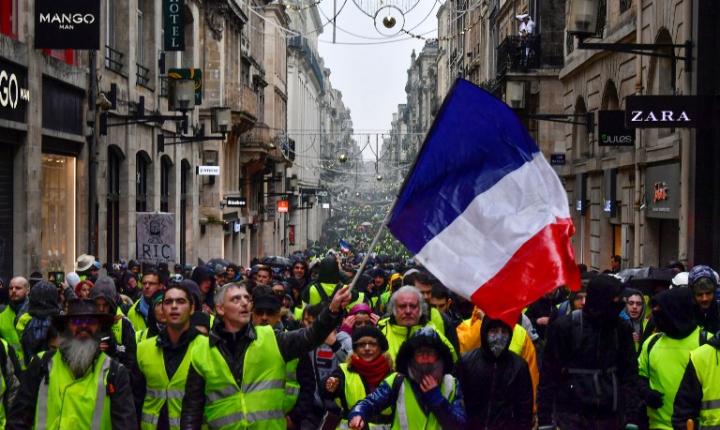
{"x":372,"y":246}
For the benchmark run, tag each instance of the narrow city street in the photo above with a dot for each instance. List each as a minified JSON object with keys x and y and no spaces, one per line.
{"x":359,"y":214}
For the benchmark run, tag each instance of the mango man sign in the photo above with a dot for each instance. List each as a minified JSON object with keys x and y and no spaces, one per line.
{"x":155,"y":237}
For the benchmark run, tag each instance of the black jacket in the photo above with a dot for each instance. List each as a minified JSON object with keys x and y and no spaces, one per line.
{"x":22,"y":412}
{"x":233,"y":347}
{"x":710,"y":320}
{"x":601,"y":346}
{"x":498,"y":392}
{"x":688,"y":400}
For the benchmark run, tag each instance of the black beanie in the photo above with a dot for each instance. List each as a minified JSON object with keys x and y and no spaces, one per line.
{"x":370,"y":331}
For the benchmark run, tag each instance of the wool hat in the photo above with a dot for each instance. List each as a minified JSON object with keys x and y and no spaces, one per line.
{"x":370,"y":331}
{"x":701,"y":271}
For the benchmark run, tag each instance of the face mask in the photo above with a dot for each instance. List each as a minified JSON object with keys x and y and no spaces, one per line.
{"x":497,"y":342}
{"x":418,"y":371}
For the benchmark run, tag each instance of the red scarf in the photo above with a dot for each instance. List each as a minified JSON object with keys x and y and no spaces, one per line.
{"x":372,"y":372}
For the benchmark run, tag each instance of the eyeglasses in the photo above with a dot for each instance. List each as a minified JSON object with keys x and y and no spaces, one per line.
{"x":83,"y":320}
{"x":360,"y":345}
{"x":179,"y":301}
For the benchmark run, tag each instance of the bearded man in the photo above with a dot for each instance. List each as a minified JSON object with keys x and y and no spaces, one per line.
{"x":78,"y":386}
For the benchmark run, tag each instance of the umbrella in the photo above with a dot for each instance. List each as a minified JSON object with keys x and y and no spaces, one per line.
{"x":522,"y":16}
{"x":221,"y":261}
{"x":649,"y":280}
{"x":366,"y":224}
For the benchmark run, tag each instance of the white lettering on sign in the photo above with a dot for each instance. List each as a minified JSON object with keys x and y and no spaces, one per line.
{"x":662,"y":116}
{"x":10,"y":91}
{"x":209,"y":170}
{"x":67,"y":21}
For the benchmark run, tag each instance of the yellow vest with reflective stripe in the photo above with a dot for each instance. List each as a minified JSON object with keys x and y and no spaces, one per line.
{"x":292,"y":386}
{"x":708,"y":374}
{"x":408,"y":410}
{"x":3,"y":387}
{"x":136,"y":318}
{"x":69,"y":403}
{"x":354,"y":391}
{"x":437,"y":320}
{"x":159,"y":388}
{"x":259,"y":401}
{"x":9,"y":333}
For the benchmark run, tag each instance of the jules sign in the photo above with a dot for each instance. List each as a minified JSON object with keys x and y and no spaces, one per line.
{"x":67,"y":24}
{"x":663,"y":111}
{"x":174,"y":28}
{"x":612,"y":130}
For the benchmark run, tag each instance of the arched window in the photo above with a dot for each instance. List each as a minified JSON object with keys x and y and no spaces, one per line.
{"x":581,"y":141}
{"x":142,"y":181}
{"x":166,"y":170}
{"x":115,"y":159}
{"x":610,"y":101}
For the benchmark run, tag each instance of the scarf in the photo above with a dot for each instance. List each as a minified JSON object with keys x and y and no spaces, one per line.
{"x":372,"y":372}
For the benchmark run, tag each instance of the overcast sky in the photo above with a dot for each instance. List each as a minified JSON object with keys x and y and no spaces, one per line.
{"x":371,"y":76}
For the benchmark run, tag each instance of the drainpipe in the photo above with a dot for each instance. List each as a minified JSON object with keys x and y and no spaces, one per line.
{"x":687,"y":139}
{"x":637,"y":201}
{"x":92,"y":157}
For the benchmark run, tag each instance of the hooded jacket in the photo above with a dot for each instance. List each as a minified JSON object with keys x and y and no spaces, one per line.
{"x":598,"y":340}
{"x":122,"y":335}
{"x":498,"y":391}
{"x":450,"y":416}
{"x":34,"y":326}
{"x":689,"y":397}
{"x":664,"y":356}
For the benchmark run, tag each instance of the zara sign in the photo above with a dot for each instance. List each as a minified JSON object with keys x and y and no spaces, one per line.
{"x":663,"y":111}
{"x":67,"y":24}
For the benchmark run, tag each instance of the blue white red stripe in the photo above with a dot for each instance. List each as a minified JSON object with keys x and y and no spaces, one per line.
{"x":483,"y":210}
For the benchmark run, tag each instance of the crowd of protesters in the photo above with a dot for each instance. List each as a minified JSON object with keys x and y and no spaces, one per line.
{"x":286,"y":343}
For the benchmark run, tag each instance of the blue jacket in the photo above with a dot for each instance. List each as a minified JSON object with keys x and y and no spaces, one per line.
{"x":450,"y":415}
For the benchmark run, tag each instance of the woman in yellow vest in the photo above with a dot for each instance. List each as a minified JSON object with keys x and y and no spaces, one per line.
{"x":422,"y":392}
{"x":366,"y":368}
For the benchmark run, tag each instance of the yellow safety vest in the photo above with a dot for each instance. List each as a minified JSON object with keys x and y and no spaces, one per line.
{"x":408,"y":410}
{"x":66,"y":402}
{"x":9,"y":333}
{"x":708,"y":374}
{"x":353,"y":392}
{"x":396,"y":335}
{"x":160,"y":388}
{"x":136,"y":318}
{"x":292,"y":386}
{"x":258,"y":402}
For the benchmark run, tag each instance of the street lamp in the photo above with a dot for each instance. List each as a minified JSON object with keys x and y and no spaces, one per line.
{"x":220,"y":119}
{"x":515,"y":94}
{"x":583,"y":17}
{"x":181,"y":94}
{"x":583,"y":24}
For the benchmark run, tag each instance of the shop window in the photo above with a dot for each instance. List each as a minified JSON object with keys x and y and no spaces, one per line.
{"x":115,"y":158}
{"x":58,"y":213}
{"x":165,"y":183}
{"x":141,"y":181}
{"x":9,"y":18}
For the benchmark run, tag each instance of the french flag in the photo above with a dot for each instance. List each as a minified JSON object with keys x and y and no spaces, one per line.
{"x":483,"y":210}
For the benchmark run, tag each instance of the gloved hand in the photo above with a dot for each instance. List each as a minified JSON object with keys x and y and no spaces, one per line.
{"x":653,"y":399}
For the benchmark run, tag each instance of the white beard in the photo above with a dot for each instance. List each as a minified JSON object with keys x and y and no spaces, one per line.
{"x":79,"y":354}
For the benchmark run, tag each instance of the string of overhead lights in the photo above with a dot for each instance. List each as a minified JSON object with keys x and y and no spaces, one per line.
{"x":444,"y":38}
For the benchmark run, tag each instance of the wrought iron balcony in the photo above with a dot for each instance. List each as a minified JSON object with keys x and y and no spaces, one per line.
{"x":300,"y":43}
{"x":522,"y":53}
{"x":142,"y":74}
{"x":113,"y":59}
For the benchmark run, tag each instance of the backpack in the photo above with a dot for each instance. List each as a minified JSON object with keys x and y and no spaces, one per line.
{"x":34,"y":337}
{"x":592,"y":388}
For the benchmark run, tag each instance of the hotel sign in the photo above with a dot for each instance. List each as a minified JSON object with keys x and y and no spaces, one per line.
{"x":67,"y":24}
{"x":174,"y":29}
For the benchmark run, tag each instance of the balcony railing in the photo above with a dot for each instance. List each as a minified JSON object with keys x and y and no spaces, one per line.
{"x":113,"y":59}
{"x":142,"y":75}
{"x":163,"y":86}
{"x":300,"y":43}
{"x":521,"y":53}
